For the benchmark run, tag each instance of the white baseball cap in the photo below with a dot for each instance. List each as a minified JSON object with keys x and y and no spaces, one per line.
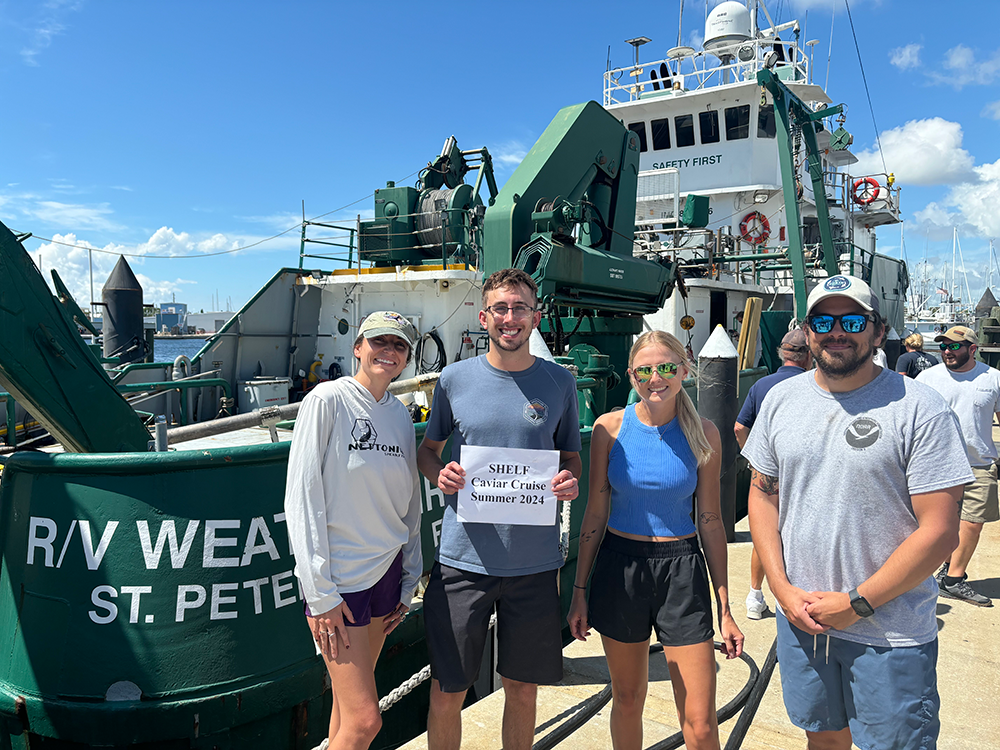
{"x":843,"y":286}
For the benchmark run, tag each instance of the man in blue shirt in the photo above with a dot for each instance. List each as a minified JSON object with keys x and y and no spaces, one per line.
{"x":796,"y":359}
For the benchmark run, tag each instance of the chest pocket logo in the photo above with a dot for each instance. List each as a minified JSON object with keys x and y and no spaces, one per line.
{"x":863,"y":432}
{"x":536,"y":412}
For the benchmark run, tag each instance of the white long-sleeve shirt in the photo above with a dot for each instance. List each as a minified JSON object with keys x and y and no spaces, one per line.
{"x":352,"y":498}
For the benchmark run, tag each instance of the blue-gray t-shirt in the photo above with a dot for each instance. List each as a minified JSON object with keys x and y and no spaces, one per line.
{"x":847,"y":465}
{"x":755,"y":396}
{"x":534,"y":408}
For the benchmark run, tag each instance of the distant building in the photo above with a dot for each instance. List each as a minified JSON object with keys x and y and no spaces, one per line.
{"x":171,"y":314}
{"x":208,"y":322}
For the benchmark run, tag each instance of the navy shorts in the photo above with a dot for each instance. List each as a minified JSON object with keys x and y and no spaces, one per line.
{"x":887,"y":696}
{"x":377,"y":601}
{"x":457,"y":609}
{"x":642,"y":586}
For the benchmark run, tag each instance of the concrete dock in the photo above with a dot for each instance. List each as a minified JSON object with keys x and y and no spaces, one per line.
{"x":968,"y":674}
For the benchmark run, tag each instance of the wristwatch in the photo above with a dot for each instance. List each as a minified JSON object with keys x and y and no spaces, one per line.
{"x":860,"y":604}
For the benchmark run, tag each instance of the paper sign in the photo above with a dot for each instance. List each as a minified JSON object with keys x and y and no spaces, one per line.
{"x":508,"y":485}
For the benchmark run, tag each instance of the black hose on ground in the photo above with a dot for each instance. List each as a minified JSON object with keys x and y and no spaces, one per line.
{"x":753,"y":702}
{"x":600,"y":700}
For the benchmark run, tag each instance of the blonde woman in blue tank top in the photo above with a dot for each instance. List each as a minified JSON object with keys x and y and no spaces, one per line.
{"x":648,"y":464}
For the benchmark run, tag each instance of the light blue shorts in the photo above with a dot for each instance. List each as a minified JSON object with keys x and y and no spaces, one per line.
{"x":887,"y":696}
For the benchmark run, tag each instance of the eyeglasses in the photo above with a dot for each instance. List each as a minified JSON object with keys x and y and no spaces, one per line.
{"x":665,"y":370}
{"x":953,"y":346}
{"x":519,"y":311}
{"x":853,"y":323}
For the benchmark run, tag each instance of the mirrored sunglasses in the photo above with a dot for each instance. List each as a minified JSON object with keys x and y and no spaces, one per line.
{"x":952,"y":346}
{"x":665,"y":370}
{"x":853,"y":323}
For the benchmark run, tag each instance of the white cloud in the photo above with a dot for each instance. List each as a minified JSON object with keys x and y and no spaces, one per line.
{"x":905,"y":57}
{"x":961,"y":68}
{"x":921,"y":152}
{"x":971,"y":206}
{"x":70,"y":257}
{"x":71,"y":216}
{"x":510,"y":154}
{"x":40,"y":31}
{"x":992,"y":110}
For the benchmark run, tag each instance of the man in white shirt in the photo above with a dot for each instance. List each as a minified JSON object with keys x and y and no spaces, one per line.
{"x":972,"y":390}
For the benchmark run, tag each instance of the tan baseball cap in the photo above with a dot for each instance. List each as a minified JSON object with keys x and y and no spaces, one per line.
{"x":843,"y":285}
{"x":958,"y":333}
{"x":388,"y":323}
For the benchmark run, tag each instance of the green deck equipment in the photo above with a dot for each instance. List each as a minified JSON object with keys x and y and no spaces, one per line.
{"x":49,"y":369}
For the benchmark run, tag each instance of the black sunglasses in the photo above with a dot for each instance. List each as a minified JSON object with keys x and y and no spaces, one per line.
{"x":852,"y":323}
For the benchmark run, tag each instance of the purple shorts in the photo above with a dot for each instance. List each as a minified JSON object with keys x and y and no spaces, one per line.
{"x":377,"y":601}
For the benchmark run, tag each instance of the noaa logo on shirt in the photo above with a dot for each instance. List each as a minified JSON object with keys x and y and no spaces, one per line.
{"x":837,"y":283}
{"x":536,"y":412}
{"x":863,"y":433}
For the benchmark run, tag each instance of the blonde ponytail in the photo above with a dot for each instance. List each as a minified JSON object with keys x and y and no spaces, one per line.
{"x":687,"y":415}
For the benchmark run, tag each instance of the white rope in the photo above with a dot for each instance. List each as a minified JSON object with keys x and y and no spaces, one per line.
{"x":564,"y":531}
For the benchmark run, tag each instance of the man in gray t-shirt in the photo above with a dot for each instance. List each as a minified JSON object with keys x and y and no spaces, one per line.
{"x":972,"y":390}
{"x":851,"y":512}
{"x":507,"y":398}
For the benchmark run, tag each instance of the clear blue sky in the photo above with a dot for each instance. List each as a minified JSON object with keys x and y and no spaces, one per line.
{"x":182,"y":128}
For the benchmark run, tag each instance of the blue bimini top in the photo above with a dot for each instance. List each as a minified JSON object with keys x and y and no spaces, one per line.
{"x":653,"y":475}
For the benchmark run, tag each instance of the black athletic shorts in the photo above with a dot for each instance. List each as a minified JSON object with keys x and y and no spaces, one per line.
{"x":642,"y":586}
{"x":457,"y":609}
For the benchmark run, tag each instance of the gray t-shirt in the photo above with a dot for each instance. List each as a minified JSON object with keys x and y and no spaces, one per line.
{"x":845,"y":477}
{"x":534,"y":408}
{"x":974,"y":396}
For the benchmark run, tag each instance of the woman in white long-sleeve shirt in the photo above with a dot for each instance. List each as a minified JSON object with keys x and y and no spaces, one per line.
{"x":352,"y":505}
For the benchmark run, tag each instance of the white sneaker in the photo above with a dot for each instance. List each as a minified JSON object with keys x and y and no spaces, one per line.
{"x":756,"y":606}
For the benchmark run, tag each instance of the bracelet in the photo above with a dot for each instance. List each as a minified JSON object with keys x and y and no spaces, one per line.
{"x":579,"y":587}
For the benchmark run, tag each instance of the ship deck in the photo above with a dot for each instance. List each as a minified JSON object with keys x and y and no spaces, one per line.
{"x":968,"y":665}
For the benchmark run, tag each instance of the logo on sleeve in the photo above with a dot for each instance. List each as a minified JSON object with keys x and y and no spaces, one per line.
{"x":536,"y":412}
{"x":863,"y":433}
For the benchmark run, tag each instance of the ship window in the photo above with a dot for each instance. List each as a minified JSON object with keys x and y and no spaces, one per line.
{"x":661,"y":134}
{"x":639,"y":128}
{"x":765,"y":121}
{"x":684,"y":127}
{"x":709,"y":124}
{"x":738,"y":122}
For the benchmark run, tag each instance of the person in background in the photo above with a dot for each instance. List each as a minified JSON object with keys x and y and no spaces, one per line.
{"x":647,"y":464}
{"x":972,"y":390}
{"x":916,"y":360}
{"x":856,"y":473}
{"x":352,"y":505}
{"x":879,"y":355}
{"x":506,"y":398}
{"x":795,"y":360}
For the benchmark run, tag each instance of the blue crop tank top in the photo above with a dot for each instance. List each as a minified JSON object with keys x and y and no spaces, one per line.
{"x":653,"y":475}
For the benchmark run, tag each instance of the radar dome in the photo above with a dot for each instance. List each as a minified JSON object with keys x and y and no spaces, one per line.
{"x":727,"y":24}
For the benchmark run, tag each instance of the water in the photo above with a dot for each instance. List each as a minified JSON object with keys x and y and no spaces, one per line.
{"x":167,"y":350}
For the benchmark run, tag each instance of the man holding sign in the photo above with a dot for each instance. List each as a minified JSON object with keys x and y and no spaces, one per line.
{"x":516,"y":434}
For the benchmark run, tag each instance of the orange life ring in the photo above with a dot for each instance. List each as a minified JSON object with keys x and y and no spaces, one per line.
{"x":865,"y":190}
{"x":755,"y":228}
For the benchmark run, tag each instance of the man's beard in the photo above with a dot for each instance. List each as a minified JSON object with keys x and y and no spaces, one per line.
{"x":961,"y":359}
{"x":844,"y":363}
